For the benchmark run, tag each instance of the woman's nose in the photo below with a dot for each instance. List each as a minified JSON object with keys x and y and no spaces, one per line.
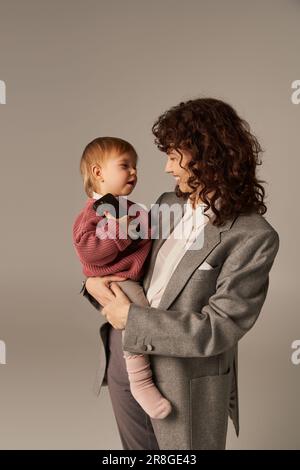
{"x":167,"y":168}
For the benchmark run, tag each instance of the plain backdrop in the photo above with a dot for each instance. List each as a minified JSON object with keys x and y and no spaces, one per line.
{"x":75,"y":70}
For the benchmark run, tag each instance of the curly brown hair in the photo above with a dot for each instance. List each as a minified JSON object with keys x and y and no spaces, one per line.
{"x":224,"y":155}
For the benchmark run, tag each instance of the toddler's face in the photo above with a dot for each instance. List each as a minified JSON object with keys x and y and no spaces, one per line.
{"x":120,"y":175}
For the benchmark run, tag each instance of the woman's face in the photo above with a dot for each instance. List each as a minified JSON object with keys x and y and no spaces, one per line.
{"x":180,"y":174}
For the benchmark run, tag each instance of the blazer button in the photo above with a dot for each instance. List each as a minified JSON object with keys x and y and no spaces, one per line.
{"x":150,"y":347}
{"x":144,"y":347}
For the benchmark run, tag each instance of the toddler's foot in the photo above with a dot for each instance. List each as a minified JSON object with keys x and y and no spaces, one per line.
{"x":143,"y":389}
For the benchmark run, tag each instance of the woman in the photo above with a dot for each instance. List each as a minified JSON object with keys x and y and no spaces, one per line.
{"x":204,"y":299}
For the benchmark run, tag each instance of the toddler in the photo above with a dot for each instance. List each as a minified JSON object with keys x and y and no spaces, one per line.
{"x":108,"y":165}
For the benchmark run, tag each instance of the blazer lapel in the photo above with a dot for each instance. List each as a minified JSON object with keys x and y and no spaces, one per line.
{"x":190,"y":261}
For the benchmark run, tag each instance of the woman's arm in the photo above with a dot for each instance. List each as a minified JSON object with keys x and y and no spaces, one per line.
{"x":232,"y":310}
{"x":90,"y":298}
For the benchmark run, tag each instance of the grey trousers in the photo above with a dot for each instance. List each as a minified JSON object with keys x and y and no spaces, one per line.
{"x":134,"y":425}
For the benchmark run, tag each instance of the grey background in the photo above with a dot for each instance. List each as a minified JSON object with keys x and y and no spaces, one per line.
{"x":75,"y":70}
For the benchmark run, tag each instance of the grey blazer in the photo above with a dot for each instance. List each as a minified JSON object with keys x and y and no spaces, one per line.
{"x":192,"y":337}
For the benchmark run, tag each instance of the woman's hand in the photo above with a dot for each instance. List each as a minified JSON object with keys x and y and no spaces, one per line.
{"x":116,"y":311}
{"x":99,"y":288}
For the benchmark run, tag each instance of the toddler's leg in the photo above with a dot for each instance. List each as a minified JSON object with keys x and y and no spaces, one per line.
{"x":142,"y":386}
{"x":138,"y":366}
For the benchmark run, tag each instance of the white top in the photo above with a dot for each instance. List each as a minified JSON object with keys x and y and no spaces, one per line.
{"x":174,"y":247}
{"x":97,"y":195}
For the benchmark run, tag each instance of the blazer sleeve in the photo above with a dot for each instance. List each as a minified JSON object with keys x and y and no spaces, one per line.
{"x":231,"y":311}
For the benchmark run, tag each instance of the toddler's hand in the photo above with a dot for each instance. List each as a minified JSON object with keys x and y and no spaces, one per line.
{"x":123,"y":221}
{"x":109,"y":216}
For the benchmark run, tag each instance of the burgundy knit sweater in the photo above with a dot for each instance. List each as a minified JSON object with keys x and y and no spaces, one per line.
{"x":101,"y":253}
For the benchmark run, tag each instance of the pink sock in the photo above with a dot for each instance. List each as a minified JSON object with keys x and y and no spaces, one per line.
{"x":143,"y":389}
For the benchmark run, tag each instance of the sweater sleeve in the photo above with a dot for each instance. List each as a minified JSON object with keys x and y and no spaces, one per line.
{"x":84,"y":290}
{"x":97,"y":240}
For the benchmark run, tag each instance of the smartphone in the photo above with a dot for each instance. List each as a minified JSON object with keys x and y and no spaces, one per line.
{"x":107,"y":202}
